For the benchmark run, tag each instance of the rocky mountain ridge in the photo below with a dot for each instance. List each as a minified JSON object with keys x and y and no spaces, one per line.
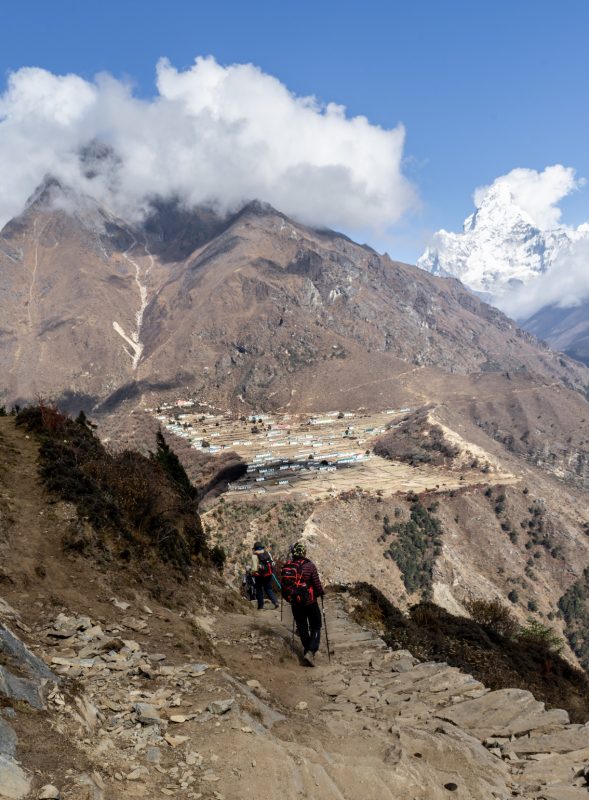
{"x":245,"y":310}
{"x":499,"y":248}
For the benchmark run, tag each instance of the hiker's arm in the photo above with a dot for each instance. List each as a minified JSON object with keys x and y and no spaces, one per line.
{"x":316,"y":581}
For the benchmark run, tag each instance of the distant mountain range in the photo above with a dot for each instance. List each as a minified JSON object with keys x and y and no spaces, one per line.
{"x":501,"y":249}
{"x":247,"y":310}
{"x":253,"y":311}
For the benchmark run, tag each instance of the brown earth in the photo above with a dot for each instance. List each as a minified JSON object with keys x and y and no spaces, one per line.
{"x":252,"y":310}
{"x":371,"y":722}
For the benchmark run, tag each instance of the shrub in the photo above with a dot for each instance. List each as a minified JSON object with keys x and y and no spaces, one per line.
{"x":535,"y":633}
{"x":574,"y":608}
{"x":172,"y":465}
{"x":218,"y":557}
{"x":135,"y":504}
{"x":513,"y":596}
{"x":417,"y":544}
{"x":494,"y":615}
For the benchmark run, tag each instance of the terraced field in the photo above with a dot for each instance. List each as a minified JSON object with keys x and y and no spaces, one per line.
{"x":318,"y":456}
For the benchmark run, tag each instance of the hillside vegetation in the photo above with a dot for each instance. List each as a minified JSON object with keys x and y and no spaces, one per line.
{"x":129,"y":506}
{"x":491,"y":646}
{"x":415,"y":440}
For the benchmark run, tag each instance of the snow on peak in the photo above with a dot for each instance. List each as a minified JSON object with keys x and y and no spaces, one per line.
{"x":502,"y":245}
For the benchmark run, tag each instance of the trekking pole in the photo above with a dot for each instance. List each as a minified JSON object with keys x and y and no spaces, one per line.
{"x":326,"y":634}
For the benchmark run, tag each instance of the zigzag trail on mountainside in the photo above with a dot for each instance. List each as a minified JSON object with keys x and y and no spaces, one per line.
{"x":195,"y":695}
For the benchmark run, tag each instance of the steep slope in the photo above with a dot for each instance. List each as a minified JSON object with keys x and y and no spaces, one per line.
{"x":250,"y":309}
{"x":112,"y":691}
{"x":566,"y":329}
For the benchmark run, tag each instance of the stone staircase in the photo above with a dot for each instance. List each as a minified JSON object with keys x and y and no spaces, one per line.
{"x":442,"y":729}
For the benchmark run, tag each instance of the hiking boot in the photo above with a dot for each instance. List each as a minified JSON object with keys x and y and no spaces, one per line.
{"x":309,"y":658}
{"x":276,"y":606}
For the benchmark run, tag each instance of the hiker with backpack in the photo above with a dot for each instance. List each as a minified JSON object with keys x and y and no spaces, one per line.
{"x":263,"y":570}
{"x":301,"y":587}
{"x":248,"y":584}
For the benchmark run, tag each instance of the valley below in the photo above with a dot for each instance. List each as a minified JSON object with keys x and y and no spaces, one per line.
{"x":177,"y":389}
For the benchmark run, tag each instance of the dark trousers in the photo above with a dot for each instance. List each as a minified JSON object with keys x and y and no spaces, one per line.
{"x":308,"y":622}
{"x":265,"y":585}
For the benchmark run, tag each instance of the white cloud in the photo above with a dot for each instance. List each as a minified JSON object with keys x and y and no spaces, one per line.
{"x":212,"y":134}
{"x":564,"y":284}
{"x":536,"y":193}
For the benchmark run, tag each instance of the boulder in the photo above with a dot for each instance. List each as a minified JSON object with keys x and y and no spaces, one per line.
{"x":14,"y":782}
{"x":147,"y":714}
{"x":49,"y":792}
{"x":20,"y":688}
{"x":505,"y":712}
{"x":7,"y":739}
{"x":221,"y":706}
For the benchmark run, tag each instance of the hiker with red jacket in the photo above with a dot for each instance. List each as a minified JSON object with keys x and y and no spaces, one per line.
{"x":262,"y":570}
{"x":301,"y":587}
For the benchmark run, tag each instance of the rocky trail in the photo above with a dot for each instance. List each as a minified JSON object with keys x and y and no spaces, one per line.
{"x":127,"y":721}
{"x":109,"y":694}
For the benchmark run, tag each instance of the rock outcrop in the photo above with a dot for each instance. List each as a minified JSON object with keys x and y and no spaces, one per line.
{"x":371,"y":722}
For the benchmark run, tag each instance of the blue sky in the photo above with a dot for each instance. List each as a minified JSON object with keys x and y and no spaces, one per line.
{"x":482,"y":87}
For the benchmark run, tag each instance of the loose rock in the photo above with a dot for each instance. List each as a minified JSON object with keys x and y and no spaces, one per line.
{"x":221,"y":706}
{"x":49,"y":792}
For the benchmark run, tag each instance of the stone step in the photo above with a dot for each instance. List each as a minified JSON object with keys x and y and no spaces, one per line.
{"x":505,"y":712}
{"x":557,"y":769}
{"x":573,"y":737}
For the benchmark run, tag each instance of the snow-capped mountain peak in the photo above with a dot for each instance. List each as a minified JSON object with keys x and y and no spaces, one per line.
{"x":500,"y":247}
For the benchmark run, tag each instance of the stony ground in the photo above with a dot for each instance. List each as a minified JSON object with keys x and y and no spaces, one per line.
{"x":106,"y":694}
{"x":127,"y":721}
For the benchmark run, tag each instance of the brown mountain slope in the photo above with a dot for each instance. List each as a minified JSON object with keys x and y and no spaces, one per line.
{"x":252,"y":309}
{"x":112,"y":691}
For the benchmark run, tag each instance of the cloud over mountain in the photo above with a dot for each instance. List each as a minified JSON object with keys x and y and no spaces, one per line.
{"x":211,"y":134}
{"x":514,"y":249}
{"x":535,"y":193}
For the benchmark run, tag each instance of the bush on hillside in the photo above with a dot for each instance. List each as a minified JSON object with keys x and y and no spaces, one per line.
{"x":523,"y":660}
{"x":493,"y":615}
{"x":574,"y":607}
{"x":535,"y":633}
{"x":415,"y":547}
{"x":136,"y":505}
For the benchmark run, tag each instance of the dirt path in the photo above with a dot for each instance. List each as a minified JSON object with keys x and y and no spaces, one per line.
{"x":195,"y":701}
{"x":23,"y":497}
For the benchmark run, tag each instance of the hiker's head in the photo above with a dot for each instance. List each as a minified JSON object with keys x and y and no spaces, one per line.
{"x":299,"y":550}
{"x":258,"y":547}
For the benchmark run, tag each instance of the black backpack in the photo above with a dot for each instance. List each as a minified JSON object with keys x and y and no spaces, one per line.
{"x":249,"y":586}
{"x":265,"y":565}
